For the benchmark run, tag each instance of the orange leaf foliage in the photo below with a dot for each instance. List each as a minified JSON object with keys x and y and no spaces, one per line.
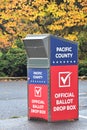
{"x":18,"y":18}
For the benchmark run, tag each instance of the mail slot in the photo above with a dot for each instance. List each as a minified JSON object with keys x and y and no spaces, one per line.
{"x":52,"y":77}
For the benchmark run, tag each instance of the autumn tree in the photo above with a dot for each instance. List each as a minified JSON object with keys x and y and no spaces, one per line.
{"x":65,"y":18}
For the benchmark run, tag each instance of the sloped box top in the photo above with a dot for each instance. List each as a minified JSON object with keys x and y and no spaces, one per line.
{"x":50,"y":49}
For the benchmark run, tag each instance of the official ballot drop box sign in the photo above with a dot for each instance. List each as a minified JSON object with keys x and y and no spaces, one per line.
{"x":52,"y":69}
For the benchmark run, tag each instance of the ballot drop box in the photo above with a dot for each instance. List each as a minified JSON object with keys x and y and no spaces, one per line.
{"x":52,"y":76}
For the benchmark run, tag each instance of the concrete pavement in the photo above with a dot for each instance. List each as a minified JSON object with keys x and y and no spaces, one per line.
{"x":24,"y":124}
{"x":13,"y":109}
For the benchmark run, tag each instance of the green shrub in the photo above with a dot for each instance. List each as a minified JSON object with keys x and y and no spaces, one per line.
{"x":83,"y":45}
{"x":83,"y":68}
{"x":13,"y":62}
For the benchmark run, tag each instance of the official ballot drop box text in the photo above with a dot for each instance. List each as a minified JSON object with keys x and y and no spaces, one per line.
{"x":52,"y":70}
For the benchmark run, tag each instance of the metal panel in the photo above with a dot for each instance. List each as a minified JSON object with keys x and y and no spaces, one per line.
{"x":38,"y":63}
{"x":38,"y":85}
{"x":37,"y":48}
{"x":63,"y":52}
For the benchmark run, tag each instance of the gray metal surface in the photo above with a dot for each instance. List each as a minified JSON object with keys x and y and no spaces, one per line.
{"x":37,"y":48}
{"x":37,"y":63}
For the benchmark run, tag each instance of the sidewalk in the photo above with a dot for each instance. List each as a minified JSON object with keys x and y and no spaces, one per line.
{"x":24,"y":124}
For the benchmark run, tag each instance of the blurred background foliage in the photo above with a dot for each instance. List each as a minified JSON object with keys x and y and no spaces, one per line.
{"x":64,"y":18}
